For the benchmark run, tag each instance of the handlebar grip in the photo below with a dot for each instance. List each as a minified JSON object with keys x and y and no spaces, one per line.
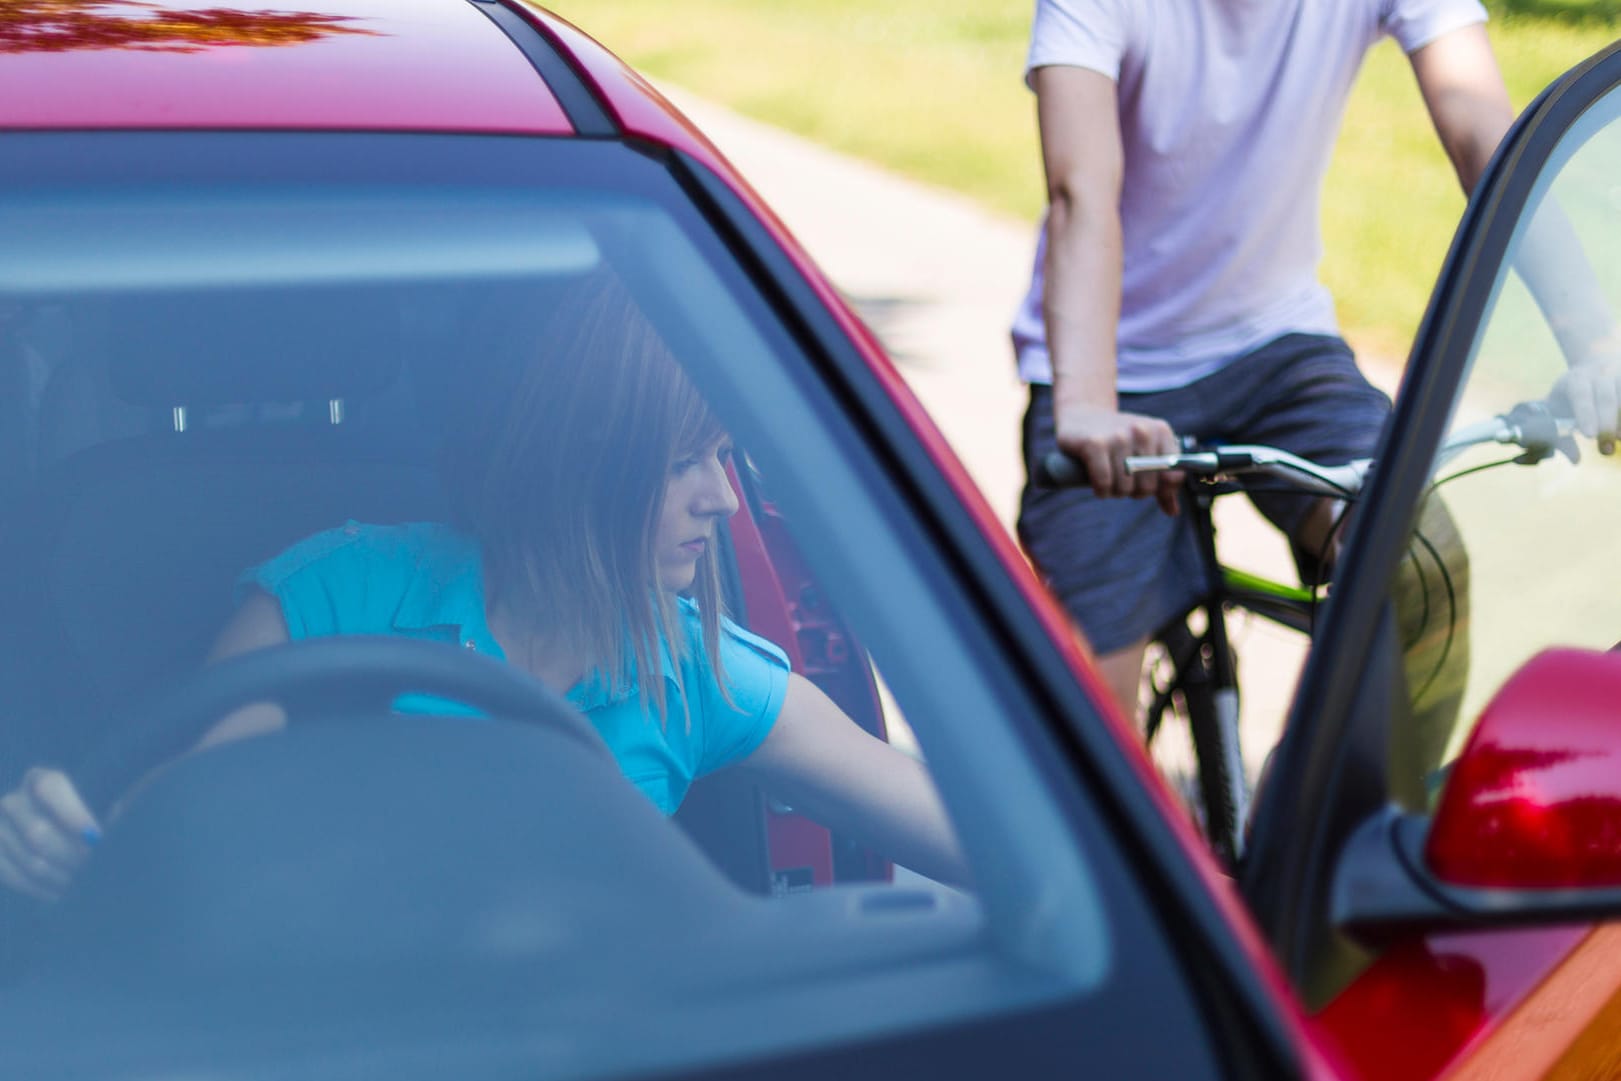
{"x":1059,"y":470}
{"x":1536,"y":427}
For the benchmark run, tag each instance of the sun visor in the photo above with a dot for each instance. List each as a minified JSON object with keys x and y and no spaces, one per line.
{"x":276,"y":292}
{"x":77,"y":242}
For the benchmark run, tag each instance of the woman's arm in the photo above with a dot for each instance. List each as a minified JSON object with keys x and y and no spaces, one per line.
{"x":46,"y":831}
{"x":824,"y":764}
{"x":257,"y":624}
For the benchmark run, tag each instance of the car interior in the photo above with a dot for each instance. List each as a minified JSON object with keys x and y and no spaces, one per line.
{"x":148,"y":475}
{"x":166,"y":425}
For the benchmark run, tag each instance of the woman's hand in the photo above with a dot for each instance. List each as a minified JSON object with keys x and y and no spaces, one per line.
{"x":46,"y":833}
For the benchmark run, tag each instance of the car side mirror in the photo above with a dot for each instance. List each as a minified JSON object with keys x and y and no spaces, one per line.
{"x":1528,"y":828}
{"x":1534,"y":800}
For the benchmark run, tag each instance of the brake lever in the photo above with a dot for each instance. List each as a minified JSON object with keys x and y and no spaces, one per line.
{"x":1567,"y":446}
{"x":1537,"y":430}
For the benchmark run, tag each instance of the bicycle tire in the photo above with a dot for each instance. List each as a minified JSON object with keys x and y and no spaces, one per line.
{"x":1213,"y":786}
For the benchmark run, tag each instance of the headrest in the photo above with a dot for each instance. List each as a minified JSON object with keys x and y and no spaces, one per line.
{"x":138,"y":543}
{"x":209,"y":349}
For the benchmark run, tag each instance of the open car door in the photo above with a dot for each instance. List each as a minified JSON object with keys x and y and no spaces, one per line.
{"x":1444,"y":766}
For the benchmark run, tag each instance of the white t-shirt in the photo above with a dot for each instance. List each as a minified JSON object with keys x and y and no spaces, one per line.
{"x":1228,"y":114}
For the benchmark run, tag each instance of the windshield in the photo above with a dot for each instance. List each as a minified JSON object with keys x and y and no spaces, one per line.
{"x":1514,"y":551}
{"x":512,"y":400}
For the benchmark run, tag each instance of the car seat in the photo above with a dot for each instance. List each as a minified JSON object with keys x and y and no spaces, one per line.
{"x":229,"y":438}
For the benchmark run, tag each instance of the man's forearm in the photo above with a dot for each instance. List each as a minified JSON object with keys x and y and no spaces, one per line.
{"x":1469,"y":103}
{"x":1082,"y":302}
{"x":1555,"y":268}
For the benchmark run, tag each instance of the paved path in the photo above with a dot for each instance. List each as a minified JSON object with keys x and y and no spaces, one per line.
{"x":937,"y":278}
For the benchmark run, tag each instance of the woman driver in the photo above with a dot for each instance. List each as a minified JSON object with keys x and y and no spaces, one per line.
{"x":589,"y":493}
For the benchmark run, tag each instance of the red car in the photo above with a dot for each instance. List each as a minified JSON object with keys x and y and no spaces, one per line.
{"x":251,"y":261}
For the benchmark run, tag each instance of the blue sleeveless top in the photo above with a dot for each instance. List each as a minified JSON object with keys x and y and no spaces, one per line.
{"x":425,"y":580}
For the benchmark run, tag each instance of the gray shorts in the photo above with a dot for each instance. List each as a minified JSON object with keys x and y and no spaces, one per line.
{"x":1122,"y":567}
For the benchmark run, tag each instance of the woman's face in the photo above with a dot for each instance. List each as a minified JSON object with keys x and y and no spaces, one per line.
{"x":697,"y":495}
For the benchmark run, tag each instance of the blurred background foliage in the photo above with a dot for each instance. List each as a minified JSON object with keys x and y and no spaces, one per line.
{"x":1571,"y":10}
{"x":932,"y":89}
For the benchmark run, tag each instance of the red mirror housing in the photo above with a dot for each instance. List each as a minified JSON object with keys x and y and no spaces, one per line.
{"x":1534,"y":800}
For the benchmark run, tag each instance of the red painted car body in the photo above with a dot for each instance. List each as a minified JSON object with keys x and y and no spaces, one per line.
{"x":1537,"y":808}
{"x":367,"y":67}
{"x":1421,"y":1006}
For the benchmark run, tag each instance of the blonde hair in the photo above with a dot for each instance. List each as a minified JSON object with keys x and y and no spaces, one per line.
{"x":559,"y":471}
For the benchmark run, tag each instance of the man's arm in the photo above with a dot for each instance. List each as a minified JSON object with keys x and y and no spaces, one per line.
{"x":1464,"y":92}
{"x":1467,"y":101}
{"x":1082,"y":155}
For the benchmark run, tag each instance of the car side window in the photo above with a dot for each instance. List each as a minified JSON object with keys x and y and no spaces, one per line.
{"x":1513,"y":551}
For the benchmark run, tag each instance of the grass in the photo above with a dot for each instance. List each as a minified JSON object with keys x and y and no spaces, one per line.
{"x":1391,"y":202}
{"x":931,"y":89}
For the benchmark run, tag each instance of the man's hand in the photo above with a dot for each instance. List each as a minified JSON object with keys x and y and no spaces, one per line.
{"x":1591,"y":390}
{"x":1102,"y":439}
{"x":45,"y":834}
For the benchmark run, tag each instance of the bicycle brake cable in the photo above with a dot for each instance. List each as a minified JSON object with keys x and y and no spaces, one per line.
{"x":1424,"y":591}
{"x":1446,"y":575}
{"x":1450,"y":477}
{"x":1342,"y":490}
{"x":1452,"y":615}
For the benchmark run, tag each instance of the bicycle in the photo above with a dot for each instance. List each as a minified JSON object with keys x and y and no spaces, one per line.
{"x":1190,"y":672}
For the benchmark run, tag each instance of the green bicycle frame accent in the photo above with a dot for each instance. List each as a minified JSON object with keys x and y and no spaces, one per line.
{"x":1243,"y":580}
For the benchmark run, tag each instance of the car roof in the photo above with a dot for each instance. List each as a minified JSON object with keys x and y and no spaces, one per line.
{"x":475,"y":66}
{"x":437,"y":65}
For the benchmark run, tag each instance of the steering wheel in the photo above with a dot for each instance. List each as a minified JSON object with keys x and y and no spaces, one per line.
{"x":319,"y":679}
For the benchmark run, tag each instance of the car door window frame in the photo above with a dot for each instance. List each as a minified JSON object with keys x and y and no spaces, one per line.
{"x":1329,"y":769}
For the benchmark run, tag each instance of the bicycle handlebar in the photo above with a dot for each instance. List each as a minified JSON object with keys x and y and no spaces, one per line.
{"x":1531,"y":426}
{"x":1059,"y":470}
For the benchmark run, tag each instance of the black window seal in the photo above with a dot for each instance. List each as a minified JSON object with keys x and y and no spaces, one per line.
{"x":574,"y":92}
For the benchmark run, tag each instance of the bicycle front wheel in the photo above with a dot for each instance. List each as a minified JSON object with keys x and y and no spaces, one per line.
{"x":1190,"y":714}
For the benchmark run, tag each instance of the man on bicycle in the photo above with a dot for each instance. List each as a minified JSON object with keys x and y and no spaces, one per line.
{"x":1175,"y":286}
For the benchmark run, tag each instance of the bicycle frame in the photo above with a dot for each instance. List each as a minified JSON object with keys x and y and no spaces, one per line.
{"x":1203,"y":661}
